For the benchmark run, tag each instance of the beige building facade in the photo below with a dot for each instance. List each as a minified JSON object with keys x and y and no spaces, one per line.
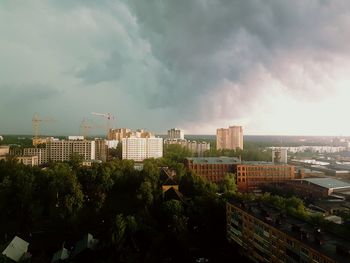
{"x":60,"y":151}
{"x":28,"y":160}
{"x":4,"y":151}
{"x":119,"y":134}
{"x":230,"y":138}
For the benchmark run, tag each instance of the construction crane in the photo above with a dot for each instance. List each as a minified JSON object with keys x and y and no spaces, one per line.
{"x":36,"y":124}
{"x":85,"y":126}
{"x":108,"y":116}
{"x":36,"y":121}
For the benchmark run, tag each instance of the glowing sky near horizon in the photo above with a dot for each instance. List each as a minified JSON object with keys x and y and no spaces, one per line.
{"x":275,"y":67}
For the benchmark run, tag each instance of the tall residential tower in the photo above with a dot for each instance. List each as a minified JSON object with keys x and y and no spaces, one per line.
{"x":231,"y":138}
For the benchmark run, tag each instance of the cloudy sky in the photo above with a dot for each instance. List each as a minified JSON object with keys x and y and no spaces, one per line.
{"x":273,"y":66}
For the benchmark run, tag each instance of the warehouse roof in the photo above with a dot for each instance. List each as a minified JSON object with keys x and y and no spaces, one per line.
{"x":214,"y":160}
{"x":328,"y":182}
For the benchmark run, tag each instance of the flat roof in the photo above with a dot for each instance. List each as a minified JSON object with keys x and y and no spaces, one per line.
{"x":229,"y":160}
{"x":328,"y":182}
{"x":330,"y":240}
{"x":214,"y":160}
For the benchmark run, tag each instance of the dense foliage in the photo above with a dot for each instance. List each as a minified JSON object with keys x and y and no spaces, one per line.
{"x":122,"y":207}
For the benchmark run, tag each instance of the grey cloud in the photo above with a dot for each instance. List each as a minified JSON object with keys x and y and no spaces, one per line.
{"x":180,"y":58}
{"x":106,"y":70}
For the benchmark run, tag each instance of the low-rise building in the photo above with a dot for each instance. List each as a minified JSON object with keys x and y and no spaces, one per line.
{"x":317,"y":187}
{"x":249,"y":175}
{"x":264,"y":234}
{"x":212,"y":169}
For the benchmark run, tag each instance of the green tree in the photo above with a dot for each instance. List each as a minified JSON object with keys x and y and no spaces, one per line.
{"x":64,"y":183}
{"x":118,"y":232}
{"x":145,"y":194}
{"x":176,"y":152}
{"x":228,"y":184}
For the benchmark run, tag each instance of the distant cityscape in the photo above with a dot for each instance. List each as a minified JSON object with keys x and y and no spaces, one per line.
{"x":318,"y":173}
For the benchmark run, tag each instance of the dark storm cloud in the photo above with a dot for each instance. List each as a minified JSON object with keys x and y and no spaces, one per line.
{"x":185,"y":60}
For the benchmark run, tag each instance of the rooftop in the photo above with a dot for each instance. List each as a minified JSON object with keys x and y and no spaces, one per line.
{"x":214,"y":160}
{"x":314,"y":237}
{"x":329,"y":183}
{"x":16,"y":249}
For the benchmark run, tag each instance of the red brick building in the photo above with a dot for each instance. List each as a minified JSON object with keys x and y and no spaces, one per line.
{"x":248,"y":174}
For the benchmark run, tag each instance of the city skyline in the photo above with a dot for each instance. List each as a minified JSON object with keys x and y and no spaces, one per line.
{"x":274,"y":67}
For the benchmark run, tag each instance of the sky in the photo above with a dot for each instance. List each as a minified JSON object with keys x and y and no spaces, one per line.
{"x":272,"y":66}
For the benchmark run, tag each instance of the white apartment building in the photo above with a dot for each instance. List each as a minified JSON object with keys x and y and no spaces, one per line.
{"x":138,"y":149}
{"x":176,"y":134}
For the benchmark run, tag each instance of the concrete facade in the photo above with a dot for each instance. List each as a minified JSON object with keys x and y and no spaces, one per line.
{"x":138,"y":149}
{"x":176,"y":134}
{"x":231,"y":138}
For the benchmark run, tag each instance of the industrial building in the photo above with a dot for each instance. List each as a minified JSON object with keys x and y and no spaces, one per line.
{"x":264,"y":234}
{"x":231,"y":138}
{"x":249,"y":175}
{"x":317,"y":187}
{"x":212,"y":169}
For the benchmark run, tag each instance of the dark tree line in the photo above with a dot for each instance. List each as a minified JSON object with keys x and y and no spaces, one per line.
{"x":122,"y":207}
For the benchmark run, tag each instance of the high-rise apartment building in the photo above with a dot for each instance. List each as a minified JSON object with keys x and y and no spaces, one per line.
{"x":101,"y":149}
{"x":41,"y":153}
{"x":231,"y":138}
{"x":62,"y":150}
{"x":138,"y":149}
{"x":174,"y":134}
